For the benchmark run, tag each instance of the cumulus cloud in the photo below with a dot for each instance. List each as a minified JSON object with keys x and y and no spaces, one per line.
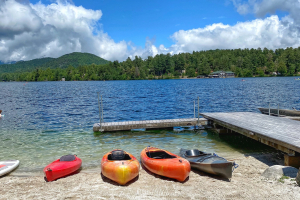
{"x":270,"y":32}
{"x":149,"y":50}
{"x":242,"y":7}
{"x":262,"y":7}
{"x":29,"y":31}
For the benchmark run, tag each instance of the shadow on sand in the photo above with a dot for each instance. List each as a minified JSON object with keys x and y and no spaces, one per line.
{"x":107,"y":180}
{"x":220,"y":178}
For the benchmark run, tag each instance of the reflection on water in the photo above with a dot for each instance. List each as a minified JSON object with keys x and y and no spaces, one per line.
{"x":46,"y":120}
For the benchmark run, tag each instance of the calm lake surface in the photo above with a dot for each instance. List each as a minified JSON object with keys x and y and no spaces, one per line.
{"x":45,"y":120}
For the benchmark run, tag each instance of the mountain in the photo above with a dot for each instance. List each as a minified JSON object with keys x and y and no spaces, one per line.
{"x":24,"y":66}
{"x":3,"y":63}
{"x":74,"y":59}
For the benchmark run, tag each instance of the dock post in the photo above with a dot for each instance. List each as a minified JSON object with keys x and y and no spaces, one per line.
{"x":101,"y":113}
{"x":278,"y":111}
{"x":194,"y":110}
{"x":293,"y":161}
{"x":198,"y":112}
{"x":99,"y":109}
{"x":269,"y":109}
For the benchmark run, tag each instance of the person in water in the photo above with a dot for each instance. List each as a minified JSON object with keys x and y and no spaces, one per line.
{"x":0,"y":112}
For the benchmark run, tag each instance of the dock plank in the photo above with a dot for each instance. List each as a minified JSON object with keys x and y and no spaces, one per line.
{"x":281,"y":131}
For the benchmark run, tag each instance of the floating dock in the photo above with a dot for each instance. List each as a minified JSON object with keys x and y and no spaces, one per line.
{"x":147,"y":124}
{"x":280,"y":133}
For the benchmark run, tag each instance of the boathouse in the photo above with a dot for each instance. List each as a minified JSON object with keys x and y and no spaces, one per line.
{"x":221,"y":74}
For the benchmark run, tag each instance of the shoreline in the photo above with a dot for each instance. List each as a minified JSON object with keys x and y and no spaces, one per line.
{"x":246,"y":183}
{"x":151,"y":79}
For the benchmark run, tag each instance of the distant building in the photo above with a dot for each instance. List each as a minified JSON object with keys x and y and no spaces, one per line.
{"x":221,"y":74}
{"x":273,"y":73}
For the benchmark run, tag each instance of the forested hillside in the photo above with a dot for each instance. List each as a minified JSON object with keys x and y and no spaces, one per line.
{"x":24,"y":66}
{"x":73,"y":59}
{"x":244,"y":62}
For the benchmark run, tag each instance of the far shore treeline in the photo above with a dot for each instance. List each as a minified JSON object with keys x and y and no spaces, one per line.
{"x":243,"y":62}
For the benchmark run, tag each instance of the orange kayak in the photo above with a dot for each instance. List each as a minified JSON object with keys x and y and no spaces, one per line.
{"x":120,"y":166}
{"x":165,"y":163}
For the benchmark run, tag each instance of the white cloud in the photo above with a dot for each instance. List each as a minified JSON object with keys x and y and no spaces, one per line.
{"x":242,"y":8}
{"x":269,"y":32}
{"x":149,"y":50}
{"x":264,"y":7}
{"x":29,"y":31}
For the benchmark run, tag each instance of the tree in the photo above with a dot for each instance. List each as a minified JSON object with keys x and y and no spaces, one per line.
{"x":282,"y":67}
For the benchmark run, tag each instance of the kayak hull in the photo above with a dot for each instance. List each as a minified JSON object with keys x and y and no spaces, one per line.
{"x":210,"y":164}
{"x":58,"y":169}
{"x":177,"y":167}
{"x":8,"y":166}
{"x":120,"y":171}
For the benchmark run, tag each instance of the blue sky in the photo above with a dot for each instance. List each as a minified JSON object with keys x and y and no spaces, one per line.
{"x":134,"y":20}
{"x":117,"y":29}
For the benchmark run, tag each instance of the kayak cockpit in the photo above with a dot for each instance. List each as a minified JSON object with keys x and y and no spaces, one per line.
{"x":67,"y":158}
{"x":118,"y":155}
{"x":195,"y":153}
{"x":159,"y":155}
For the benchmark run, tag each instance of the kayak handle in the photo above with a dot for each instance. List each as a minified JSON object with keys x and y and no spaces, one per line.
{"x":234,"y":166}
{"x":49,"y":169}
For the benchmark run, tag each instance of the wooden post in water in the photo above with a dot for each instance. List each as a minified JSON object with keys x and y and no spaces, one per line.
{"x":269,"y":109}
{"x":198,"y":112}
{"x":102,"y":113}
{"x":99,"y":109}
{"x":194,"y":110}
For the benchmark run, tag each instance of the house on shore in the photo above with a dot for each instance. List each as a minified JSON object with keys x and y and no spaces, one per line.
{"x":222,"y":74}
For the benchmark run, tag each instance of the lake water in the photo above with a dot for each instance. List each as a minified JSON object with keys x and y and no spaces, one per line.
{"x":45,"y":120}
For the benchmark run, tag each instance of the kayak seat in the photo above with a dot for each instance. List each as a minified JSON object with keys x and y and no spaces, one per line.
{"x":195,"y":153}
{"x":67,"y":158}
{"x":159,"y":155}
{"x":118,"y":155}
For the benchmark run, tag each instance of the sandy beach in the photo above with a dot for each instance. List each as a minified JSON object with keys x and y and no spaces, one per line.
{"x":246,"y":183}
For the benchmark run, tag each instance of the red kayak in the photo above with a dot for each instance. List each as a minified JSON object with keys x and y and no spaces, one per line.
{"x":62,"y":167}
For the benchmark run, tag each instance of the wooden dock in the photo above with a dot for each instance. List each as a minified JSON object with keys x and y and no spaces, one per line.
{"x":280,"y":133}
{"x":147,"y":124}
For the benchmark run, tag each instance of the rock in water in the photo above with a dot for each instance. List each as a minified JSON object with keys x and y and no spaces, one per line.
{"x":277,"y":171}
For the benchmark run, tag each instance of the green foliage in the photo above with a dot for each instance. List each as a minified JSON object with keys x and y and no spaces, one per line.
{"x":281,"y":180}
{"x":23,"y":66}
{"x":73,"y":59}
{"x":83,"y":66}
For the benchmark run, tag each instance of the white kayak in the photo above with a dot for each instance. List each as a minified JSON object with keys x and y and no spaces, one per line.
{"x":8,"y":166}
